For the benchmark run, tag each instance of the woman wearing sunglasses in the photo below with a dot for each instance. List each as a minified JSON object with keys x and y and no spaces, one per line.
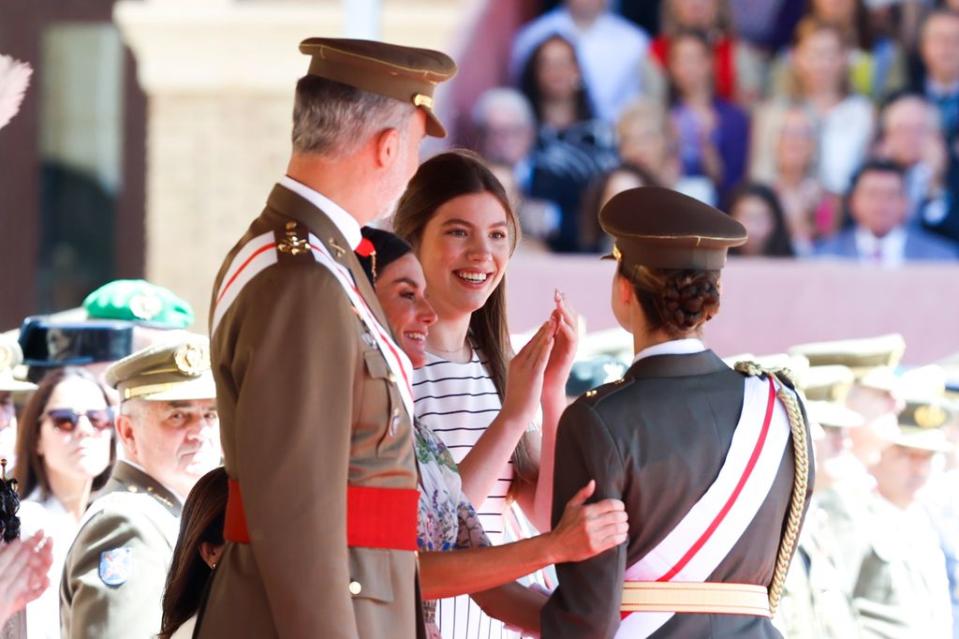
{"x":65,"y":451}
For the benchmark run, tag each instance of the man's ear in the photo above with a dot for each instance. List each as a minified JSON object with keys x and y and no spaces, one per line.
{"x":386,"y":147}
{"x":124,"y":428}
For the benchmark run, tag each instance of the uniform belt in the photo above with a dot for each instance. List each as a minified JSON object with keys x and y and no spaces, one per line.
{"x":375,"y":517}
{"x":701,"y":598}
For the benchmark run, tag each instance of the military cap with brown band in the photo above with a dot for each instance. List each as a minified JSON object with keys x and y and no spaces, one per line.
{"x":661,"y":228}
{"x":407,"y":74}
{"x":171,"y":371}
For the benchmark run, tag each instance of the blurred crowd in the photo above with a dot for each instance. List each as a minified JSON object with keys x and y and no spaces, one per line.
{"x":827,"y":127}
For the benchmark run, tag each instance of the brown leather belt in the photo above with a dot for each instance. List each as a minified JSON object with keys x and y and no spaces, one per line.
{"x":375,"y":517}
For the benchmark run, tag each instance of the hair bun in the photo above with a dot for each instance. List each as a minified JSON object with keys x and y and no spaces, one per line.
{"x":689,"y":299}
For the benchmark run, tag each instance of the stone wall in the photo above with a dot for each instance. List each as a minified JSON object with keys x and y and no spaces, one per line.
{"x":219,"y":78}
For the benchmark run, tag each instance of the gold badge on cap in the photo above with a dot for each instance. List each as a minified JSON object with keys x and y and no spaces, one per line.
{"x":421,"y":100}
{"x":146,"y":307}
{"x":192,"y":359}
{"x":930,"y":416}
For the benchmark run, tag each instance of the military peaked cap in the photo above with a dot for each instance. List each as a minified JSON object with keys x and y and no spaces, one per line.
{"x":661,"y":228}
{"x":176,"y":370}
{"x":406,"y":74}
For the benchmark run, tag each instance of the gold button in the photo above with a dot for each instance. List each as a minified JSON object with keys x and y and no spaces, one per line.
{"x":355,"y":588}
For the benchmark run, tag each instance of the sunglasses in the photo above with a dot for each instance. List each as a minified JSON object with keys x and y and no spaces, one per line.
{"x":67,"y":419}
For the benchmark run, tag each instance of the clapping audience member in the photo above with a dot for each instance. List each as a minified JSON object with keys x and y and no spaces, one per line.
{"x":24,"y":573}
{"x":505,"y":131}
{"x":844,"y":120}
{"x":612,"y":50}
{"x":878,"y":206}
{"x":647,"y":139}
{"x":195,"y":556}
{"x":811,"y":213}
{"x":910,"y":136}
{"x":876,"y":62}
{"x":757,"y":208}
{"x":572,"y":145}
{"x":939,"y":50}
{"x":738,"y":69}
{"x":65,"y":451}
{"x":713,"y":134}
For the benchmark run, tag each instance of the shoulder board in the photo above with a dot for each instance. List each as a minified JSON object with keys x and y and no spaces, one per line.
{"x":292,"y":241}
{"x":595,"y":395}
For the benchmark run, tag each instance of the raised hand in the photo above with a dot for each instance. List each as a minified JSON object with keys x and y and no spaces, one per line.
{"x":525,"y":383}
{"x":23,"y":572}
{"x":564,"y":350}
{"x":587,"y":530}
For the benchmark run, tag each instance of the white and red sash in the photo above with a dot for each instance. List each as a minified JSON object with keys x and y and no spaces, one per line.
{"x":708,"y":532}
{"x":261,"y":252}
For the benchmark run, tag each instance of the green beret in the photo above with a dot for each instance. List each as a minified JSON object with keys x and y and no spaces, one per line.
{"x":176,"y":370}
{"x":139,"y":301}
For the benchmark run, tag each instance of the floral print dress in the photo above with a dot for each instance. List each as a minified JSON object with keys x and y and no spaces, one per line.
{"x":447,"y":520}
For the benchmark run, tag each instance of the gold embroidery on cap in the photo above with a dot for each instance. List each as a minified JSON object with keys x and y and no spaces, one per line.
{"x":421,"y":100}
{"x":930,"y":416}
{"x":617,"y":254}
{"x":192,"y":360}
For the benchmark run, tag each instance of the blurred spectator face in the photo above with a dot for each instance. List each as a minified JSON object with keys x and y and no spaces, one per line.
{"x":838,"y":12}
{"x":401,"y":291}
{"x":939,"y":47}
{"x":797,"y":142}
{"x":879,"y":202}
{"x":696,"y":14}
{"x":820,"y":62}
{"x":644,"y":138}
{"x":901,"y":473}
{"x":586,"y":10}
{"x":506,"y":137}
{"x":690,"y":65}
{"x":753,"y":213}
{"x":909,"y":129}
{"x":8,"y":428}
{"x":618,"y":182}
{"x":75,"y":431}
{"x":175,"y":442}
{"x":557,"y":72}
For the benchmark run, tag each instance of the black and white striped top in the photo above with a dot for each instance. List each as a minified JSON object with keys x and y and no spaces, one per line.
{"x":458,"y":402}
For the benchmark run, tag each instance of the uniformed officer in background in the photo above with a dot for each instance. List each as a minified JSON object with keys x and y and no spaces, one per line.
{"x":115,"y":570}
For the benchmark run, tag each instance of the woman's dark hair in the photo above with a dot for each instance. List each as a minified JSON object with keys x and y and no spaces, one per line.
{"x":529,"y":83}
{"x":779,"y":243}
{"x":437,"y":181}
{"x":673,"y":95}
{"x":592,"y":238}
{"x":677,"y":301}
{"x":860,"y":29}
{"x":202,"y":521}
{"x":31,"y":470}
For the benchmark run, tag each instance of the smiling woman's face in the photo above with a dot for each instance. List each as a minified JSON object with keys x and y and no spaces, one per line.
{"x":464,"y":252}
{"x":401,"y":291}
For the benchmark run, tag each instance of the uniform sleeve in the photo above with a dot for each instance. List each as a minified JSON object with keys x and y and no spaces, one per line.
{"x":115,"y":572}
{"x":586,"y":603}
{"x":294,"y":361}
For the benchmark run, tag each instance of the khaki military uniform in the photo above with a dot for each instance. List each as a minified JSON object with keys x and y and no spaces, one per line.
{"x":116,"y":569}
{"x":307,"y":405}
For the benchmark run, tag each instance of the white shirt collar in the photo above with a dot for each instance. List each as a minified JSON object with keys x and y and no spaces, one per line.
{"x":345,"y":222}
{"x":686,"y":346}
{"x":888,"y":250}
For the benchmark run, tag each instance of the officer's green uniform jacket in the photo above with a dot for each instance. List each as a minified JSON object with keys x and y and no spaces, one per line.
{"x":116,"y":569}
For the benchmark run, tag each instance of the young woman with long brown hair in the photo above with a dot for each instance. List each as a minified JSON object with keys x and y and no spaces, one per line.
{"x":460,"y":224}
{"x":196,"y":554}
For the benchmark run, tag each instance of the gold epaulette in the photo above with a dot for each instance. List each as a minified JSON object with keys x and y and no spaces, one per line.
{"x":752,"y":369}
